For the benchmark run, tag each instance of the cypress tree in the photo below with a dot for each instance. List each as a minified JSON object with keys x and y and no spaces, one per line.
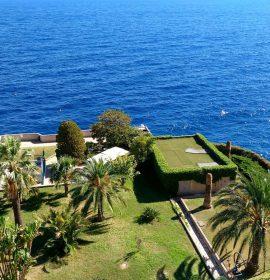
{"x":70,"y":141}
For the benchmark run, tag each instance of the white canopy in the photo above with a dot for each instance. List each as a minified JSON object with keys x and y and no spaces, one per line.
{"x":110,"y":154}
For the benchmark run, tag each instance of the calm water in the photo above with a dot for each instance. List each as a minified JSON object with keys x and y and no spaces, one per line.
{"x":178,"y":66}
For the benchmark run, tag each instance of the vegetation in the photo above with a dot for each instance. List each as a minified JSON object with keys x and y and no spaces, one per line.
{"x":149,"y":215}
{"x":70,"y":141}
{"x":98,"y":182}
{"x":245,"y":164}
{"x":112,"y":243}
{"x":62,"y":229}
{"x":125,"y":168}
{"x":170,"y":176}
{"x":244,"y":216}
{"x":47,"y":151}
{"x":141,"y":147}
{"x":18,"y":173}
{"x":15,"y":248}
{"x":239,"y":151}
{"x":114,"y":129}
{"x":63,"y":172}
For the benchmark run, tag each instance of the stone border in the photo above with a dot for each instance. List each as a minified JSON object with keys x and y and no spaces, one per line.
{"x":200,"y":241}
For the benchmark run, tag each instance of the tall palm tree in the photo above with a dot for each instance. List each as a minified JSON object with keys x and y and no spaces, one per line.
{"x":98,"y":182}
{"x":17,"y":173}
{"x":244,"y":217}
{"x":63,"y":172}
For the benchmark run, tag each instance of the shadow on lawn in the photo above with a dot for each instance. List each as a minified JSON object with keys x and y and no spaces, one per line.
{"x":198,"y":209}
{"x":128,"y":256}
{"x":97,"y":228}
{"x":147,"y":188}
{"x":35,"y":201}
{"x":188,"y":266}
{"x":56,"y":256}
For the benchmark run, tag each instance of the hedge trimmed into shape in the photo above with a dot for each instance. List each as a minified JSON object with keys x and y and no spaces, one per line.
{"x":171,"y":176}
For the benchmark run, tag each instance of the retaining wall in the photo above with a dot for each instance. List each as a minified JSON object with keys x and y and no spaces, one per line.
{"x":47,"y":138}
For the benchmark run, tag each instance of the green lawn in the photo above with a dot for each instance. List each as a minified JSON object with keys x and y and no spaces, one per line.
{"x":112,"y":243}
{"x":48,"y":151}
{"x":204,"y":215}
{"x":174,"y":152}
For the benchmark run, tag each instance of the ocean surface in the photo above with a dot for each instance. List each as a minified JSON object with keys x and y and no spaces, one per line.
{"x":178,"y":66}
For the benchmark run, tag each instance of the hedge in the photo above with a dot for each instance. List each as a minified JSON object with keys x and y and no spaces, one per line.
{"x":245,"y":153}
{"x":171,"y":176}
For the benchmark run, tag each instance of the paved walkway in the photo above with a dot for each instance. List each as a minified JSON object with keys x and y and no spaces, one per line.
{"x":211,"y":260}
{"x":36,"y":144}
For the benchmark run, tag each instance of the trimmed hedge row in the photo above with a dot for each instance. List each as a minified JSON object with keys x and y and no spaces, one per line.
{"x":245,"y":153}
{"x":171,"y":176}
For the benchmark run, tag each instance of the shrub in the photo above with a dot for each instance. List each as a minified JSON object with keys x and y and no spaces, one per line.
{"x":113,"y":129}
{"x":149,"y":215}
{"x":246,"y":164}
{"x":70,"y":141}
{"x":126,"y":166}
{"x":245,"y":153}
{"x":171,"y":176}
{"x":62,"y":229}
{"x":141,"y":147}
{"x":15,"y":248}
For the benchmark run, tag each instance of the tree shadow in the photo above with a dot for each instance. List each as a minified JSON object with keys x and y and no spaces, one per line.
{"x":198,"y":209}
{"x":34,"y":202}
{"x":148,"y":190}
{"x":97,"y":228}
{"x":186,"y":269}
{"x":127,"y":256}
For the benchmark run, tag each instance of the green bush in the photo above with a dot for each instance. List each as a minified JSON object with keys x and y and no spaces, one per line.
{"x":246,"y":164}
{"x":70,"y":141}
{"x":148,"y":216}
{"x":15,"y":249}
{"x":62,"y":229}
{"x":141,"y":147}
{"x":114,"y":129}
{"x":171,"y":176}
{"x":245,"y":153}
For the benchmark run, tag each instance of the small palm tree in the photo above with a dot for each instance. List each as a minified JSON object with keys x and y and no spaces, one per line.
{"x":17,"y":173}
{"x":98,"y":182}
{"x":63,"y":172}
{"x":244,"y":217}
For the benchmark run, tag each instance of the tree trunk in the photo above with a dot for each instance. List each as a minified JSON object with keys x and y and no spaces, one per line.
{"x":16,"y":205}
{"x":208,"y":191}
{"x":229,"y":149}
{"x":100,"y":212}
{"x":66,"y":186}
{"x":253,"y":263}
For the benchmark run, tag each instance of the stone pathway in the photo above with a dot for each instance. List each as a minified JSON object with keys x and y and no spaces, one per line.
{"x":201,"y":243}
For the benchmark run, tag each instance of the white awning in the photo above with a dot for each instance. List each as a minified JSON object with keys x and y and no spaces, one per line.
{"x":110,"y":154}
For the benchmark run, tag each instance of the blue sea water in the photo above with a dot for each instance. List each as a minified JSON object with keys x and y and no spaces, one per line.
{"x":179,"y":66}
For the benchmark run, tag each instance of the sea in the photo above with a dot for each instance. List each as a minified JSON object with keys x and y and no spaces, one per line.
{"x":178,"y":66}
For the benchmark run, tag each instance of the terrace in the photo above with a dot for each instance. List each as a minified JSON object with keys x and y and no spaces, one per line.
{"x":183,"y":162}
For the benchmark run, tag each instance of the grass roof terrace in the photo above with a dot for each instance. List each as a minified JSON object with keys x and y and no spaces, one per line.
{"x":173,"y":163}
{"x":174,"y":152}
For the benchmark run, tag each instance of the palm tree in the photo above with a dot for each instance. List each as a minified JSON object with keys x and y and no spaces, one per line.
{"x":244,"y":217}
{"x":63,"y":172}
{"x":17,"y":173}
{"x":98,"y":182}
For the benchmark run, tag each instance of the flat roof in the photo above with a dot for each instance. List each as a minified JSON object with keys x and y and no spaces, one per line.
{"x":182,"y":152}
{"x":110,"y":154}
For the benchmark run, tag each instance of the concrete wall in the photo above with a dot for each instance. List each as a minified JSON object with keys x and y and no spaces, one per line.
{"x":39,"y":137}
{"x":192,"y":187}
